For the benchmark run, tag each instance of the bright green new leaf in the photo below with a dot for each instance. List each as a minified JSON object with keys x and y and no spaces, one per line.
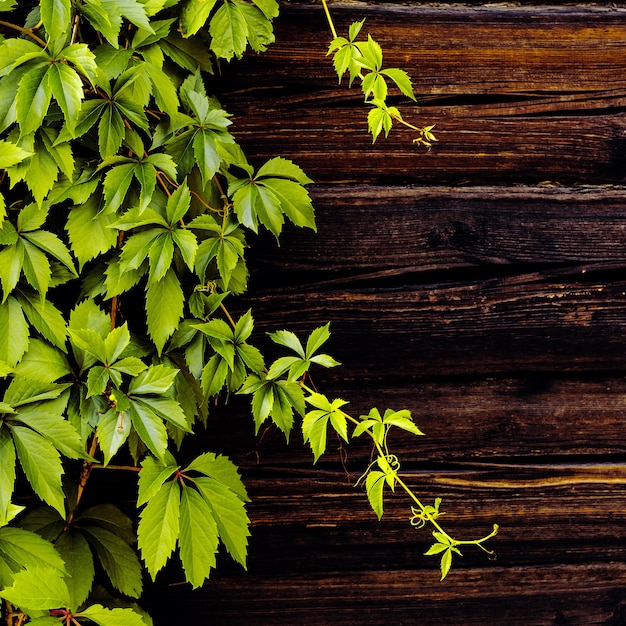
{"x":102,"y":616}
{"x":229,"y":31}
{"x":150,"y":428}
{"x":27,"y":549}
{"x":112,"y":431}
{"x":157,"y":379}
{"x":158,"y":528}
{"x":56,"y":17}
{"x":198,"y":540}
{"x":38,"y":589}
{"x":222,"y":469}
{"x":229,"y":512}
{"x":402,"y":80}
{"x":10,"y":154}
{"x":289,"y":340}
{"x":194,"y":15}
{"x":375,"y":485}
{"x":76,"y":555}
{"x":151,"y":478}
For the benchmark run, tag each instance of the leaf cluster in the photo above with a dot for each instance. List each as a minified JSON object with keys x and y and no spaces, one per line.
{"x":363,"y":61}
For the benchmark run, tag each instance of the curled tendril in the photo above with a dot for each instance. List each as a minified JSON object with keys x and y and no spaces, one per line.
{"x":426,"y":514}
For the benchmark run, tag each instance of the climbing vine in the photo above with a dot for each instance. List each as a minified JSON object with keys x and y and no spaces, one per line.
{"x":125,"y":208}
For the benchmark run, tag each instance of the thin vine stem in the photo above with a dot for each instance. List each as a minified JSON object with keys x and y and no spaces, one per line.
{"x":26,"y":31}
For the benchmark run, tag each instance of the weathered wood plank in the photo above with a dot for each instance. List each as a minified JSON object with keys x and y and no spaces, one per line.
{"x":368,"y":231}
{"x":524,"y":420}
{"x":520,"y":94}
{"x":520,"y":323}
{"x":582,"y":595}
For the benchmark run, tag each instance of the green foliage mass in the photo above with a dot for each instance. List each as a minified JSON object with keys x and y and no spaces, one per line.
{"x":125,"y":206}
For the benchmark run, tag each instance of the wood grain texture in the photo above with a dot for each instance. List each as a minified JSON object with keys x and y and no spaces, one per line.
{"x":481,"y":285}
{"x":370,"y":232}
{"x":517,"y":93}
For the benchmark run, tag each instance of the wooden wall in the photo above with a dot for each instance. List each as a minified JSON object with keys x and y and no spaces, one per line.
{"x":481,"y":285}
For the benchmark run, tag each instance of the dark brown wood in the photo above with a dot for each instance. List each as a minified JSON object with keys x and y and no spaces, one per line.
{"x":486,"y":326}
{"x":381,"y":232}
{"x":522,"y":94}
{"x":513,"y":420}
{"x":481,"y":285}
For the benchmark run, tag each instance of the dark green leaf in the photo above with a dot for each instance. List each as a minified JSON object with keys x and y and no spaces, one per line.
{"x":76,"y":554}
{"x":118,"y":560}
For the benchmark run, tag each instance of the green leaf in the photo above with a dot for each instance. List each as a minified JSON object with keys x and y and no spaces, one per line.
{"x":50,"y":243}
{"x":67,"y":89}
{"x":38,"y":589}
{"x":112,"y":431}
{"x":222,"y":469}
{"x":7,"y":473}
{"x":229,"y":512}
{"x":375,"y":485}
{"x":164,"y":308}
{"x":402,"y":80}
{"x":198,"y":540}
{"x":135,"y":13}
{"x":214,"y":375}
{"x":150,"y":428}
{"x":41,"y":464}
{"x":194,"y":15}
{"x":13,"y":332}
{"x":160,"y":257}
{"x":111,"y":131}
{"x":56,"y":17}
{"x":89,"y":341}
{"x":229,"y":32}
{"x":116,"y":184}
{"x":45,"y":317}
{"x":33,"y":99}
{"x":11,"y":155}
{"x":317,"y":339}
{"x":54,"y":427}
{"x":151,"y":478}
{"x":115,"y":343}
{"x":76,"y":554}
{"x":158,"y":528}
{"x":289,"y":340}
{"x":23,"y":549}
{"x":156,"y":379}
{"x":102,"y":616}
{"x":117,"y":558}
{"x":166,"y":408}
